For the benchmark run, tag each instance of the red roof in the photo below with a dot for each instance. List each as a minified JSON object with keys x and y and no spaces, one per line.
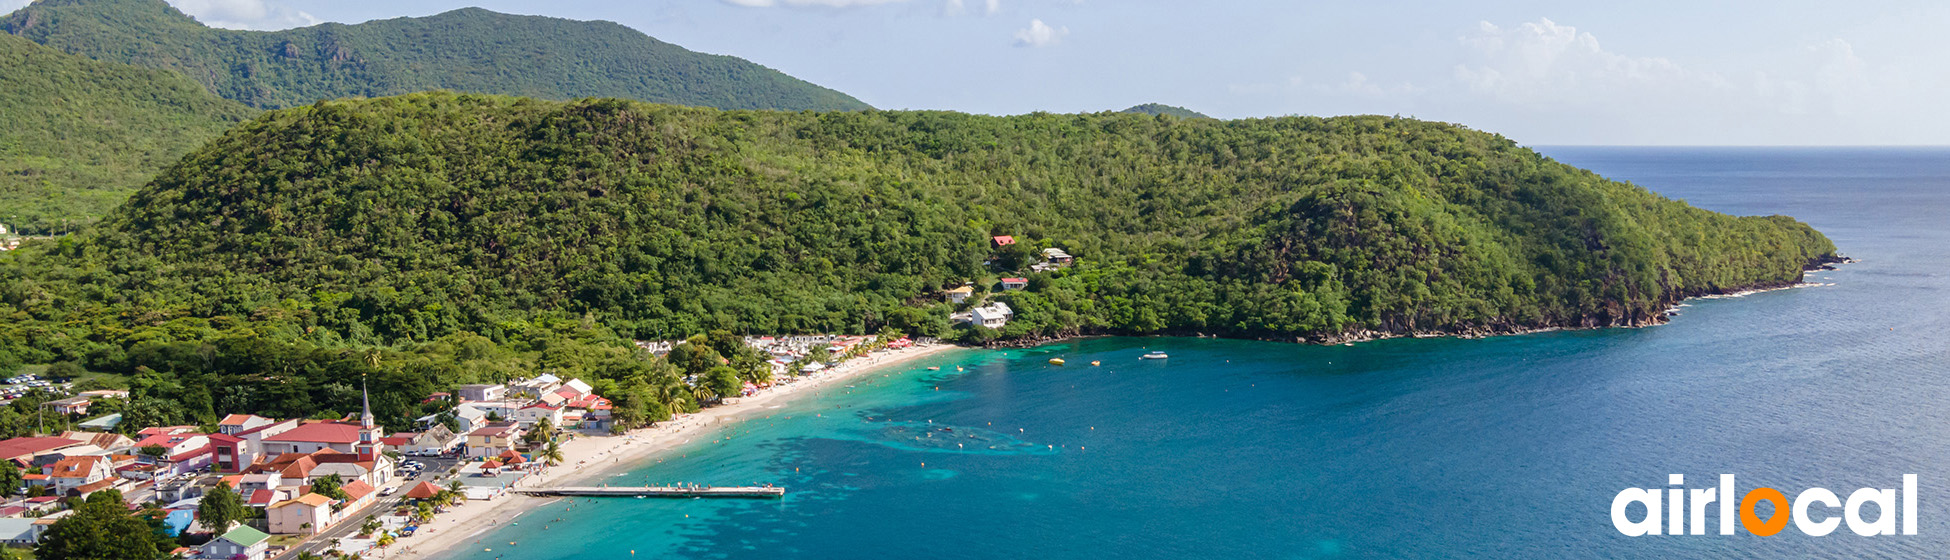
{"x":17,"y":447}
{"x":423,"y":490}
{"x":234,"y":420}
{"x":1004,"y":240}
{"x":261,"y":498}
{"x":321,"y":432}
{"x":356,"y":489}
{"x":43,"y":499}
{"x":1016,"y":280}
{"x":491,"y":464}
{"x":226,"y":438}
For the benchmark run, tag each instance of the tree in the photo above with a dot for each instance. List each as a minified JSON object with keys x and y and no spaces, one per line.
{"x":544,"y":431}
{"x":221,"y":507}
{"x":329,"y":486}
{"x":65,"y":370}
{"x":723,"y":381}
{"x":10,"y":477}
{"x":371,"y":524}
{"x":552,"y":454}
{"x":101,"y":528}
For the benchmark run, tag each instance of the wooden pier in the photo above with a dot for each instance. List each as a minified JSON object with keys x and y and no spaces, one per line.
{"x":765,"y":492}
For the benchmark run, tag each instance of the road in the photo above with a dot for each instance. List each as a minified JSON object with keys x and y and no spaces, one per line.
{"x":321,"y":542}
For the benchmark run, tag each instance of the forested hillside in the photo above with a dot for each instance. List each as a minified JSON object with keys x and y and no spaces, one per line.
{"x":470,"y":50}
{"x":442,"y":238}
{"x":80,"y":135}
{"x":1163,"y":109}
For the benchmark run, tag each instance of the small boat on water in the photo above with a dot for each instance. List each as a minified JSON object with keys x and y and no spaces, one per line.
{"x":1096,"y":363}
{"x":1154,"y":356}
{"x":934,"y":368}
{"x":1056,"y":361}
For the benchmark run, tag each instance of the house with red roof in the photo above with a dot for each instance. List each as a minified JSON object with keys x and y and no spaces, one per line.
{"x":492,"y":440}
{"x":334,"y":435}
{"x":239,"y":441}
{"x":23,"y":450}
{"x":1003,"y":240}
{"x":1014,"y":283}
{"x":539,"y":410}
{"x":72,"y":475}
{"x":182,"y":450}
{"x":299,"y":469}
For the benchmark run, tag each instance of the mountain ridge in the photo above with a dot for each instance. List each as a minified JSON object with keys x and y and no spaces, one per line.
{"x":466,"y":49}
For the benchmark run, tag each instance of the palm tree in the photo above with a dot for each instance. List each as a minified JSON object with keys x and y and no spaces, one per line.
{"x":672,"y":395}
{"x":455,"y":486}
{"x":702,"y":391}
{"x":552,"y":454}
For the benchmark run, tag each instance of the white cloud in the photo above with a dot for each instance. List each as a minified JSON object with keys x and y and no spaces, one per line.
{"x":959,"y":7}
{"x":1040,"y":34}
{"x":1544,"y":62}
{"x":811,"y":3}
{"x":8,"y":6}
{"x":245,"y":14}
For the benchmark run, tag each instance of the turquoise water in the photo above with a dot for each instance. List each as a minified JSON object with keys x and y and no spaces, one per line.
{"x":1509,"y":447}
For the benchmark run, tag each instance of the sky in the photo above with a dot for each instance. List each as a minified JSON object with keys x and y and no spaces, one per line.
{"x":1648,"y":72}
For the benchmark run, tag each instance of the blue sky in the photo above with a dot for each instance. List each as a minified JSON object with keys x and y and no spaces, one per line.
{"x":1646,"y":72}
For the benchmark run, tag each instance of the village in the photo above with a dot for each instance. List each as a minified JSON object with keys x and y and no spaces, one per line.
{"x":339,"y":487}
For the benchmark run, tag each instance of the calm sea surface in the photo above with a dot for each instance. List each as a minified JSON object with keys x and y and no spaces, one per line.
{"x":1502,"y":448}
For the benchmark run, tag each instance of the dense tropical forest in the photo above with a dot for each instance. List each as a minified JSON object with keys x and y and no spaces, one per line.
{"x":439,"y":238}
{"x":80,"y":135}
{"x":1163,"y":109}
{"x":471,"y":50}
{"x":143,"y":84}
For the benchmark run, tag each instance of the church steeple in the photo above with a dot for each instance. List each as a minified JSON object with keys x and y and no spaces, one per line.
{"x":365,"y":398}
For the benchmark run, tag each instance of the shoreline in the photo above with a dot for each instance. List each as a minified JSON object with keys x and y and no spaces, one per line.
{"x":590,"y":457}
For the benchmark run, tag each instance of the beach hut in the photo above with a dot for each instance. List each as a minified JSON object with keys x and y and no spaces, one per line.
{"x":423,"y":491}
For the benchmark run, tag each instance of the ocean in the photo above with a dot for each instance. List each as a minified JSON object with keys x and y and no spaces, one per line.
{"x":1508,"y":447}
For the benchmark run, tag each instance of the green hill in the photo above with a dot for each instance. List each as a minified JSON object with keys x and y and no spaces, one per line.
{"x":1163,"y":109}
{"x":470,"y":50}
{"x":412,"y":217}
{"x":80,"y":135}
{"x":434,"y":239}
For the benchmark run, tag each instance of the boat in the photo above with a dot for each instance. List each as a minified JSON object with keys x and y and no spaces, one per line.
{"x":1056,"y":361}
{"x":1096,"y":363}
{"x":934,"y":368}
{"x":1154,"y":356}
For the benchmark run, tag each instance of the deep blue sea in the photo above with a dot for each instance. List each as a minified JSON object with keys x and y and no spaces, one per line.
{"x":1509,"y":447}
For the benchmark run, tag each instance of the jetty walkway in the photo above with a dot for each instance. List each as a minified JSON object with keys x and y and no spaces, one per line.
{"x":768,"y":492}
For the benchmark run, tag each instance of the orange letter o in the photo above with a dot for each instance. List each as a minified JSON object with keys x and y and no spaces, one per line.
{"x":1752,"y":522}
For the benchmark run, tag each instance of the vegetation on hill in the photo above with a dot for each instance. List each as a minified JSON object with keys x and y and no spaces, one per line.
{"x":80,"y":135}
{"x":1163,"y":109}
{"x":472,"y":50}
{"x":441,"y":238}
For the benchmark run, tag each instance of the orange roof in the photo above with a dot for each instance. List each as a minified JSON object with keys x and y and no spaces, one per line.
{"x":96,"y":485}
{"x":76,"y":466}
{"x":423,"y":490}
{"x":234,"y":420}
{"x":356,"y":489}
{"x":491,"y":464}
{"x":313,"y":500}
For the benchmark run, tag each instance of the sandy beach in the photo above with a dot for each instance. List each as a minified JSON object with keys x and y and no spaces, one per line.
{"x":593,"y":456}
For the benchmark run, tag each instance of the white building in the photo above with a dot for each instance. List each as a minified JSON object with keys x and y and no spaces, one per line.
{"x":994,"y":315}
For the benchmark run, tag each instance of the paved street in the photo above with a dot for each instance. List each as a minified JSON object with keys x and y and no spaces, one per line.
{"x":436,"y":468}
